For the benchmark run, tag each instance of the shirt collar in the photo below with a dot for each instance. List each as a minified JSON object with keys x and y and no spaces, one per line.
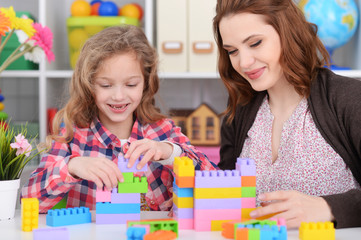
{"x":102,"y":133}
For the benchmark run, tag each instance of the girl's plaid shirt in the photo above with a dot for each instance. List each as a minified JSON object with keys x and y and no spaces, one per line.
{"x":51,"y":181}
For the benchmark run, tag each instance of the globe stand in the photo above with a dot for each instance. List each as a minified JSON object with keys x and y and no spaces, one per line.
{"x":332,"y":65}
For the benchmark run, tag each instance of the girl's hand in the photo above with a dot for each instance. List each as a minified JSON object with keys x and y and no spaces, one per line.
{"x":150,"y":149}
{"x":294,"y":207}
{"x":101,"y":171}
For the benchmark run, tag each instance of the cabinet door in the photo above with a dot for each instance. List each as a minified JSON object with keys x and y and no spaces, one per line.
{"x":202,"y":47}
{"x":172,"y":35}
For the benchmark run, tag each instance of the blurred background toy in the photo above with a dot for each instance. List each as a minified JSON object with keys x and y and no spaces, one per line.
{"x":95,"y":8}
{"x":80,"y":8}
{"x":108,"y":8}
{"x":132,"y":10}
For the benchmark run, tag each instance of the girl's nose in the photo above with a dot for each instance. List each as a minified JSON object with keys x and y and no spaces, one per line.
{"x":118,"y":94}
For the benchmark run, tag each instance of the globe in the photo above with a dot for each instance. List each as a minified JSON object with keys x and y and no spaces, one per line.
{"x":336,"y":20}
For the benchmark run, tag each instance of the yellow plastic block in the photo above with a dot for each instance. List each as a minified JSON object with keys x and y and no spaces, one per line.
{"x":315,"y":231}
{"x":202,"y":193}
{"x":183,"y":167}
{"x":245,"y":213}
{"x":216,"y":225}
{"x":183,"y":202}
{"x":29,"y":214}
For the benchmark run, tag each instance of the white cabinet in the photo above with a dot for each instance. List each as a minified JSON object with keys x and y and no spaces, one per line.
{"x":30,"y":93}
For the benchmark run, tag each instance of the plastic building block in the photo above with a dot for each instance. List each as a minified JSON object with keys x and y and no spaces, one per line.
{"x":183,"y":202}
{"x":120,"y":218}
{"x":202,"y":225}
{"x":184,"y":182}
{"x":139,"y":185}
{"x":183,"y":167}
{"x":248,"y":181}
{"x":102,"y":195}
{"x":117,"y":208}
{"x":216,"y":214}
{"x":68,"y":216}
{"x":217,"y":179}
{"x":29,"y":214}
{"x":246,"y":166}
{"x":241,"y":234}
{"x":218,"y":203}
{"x":146,"y":227}
{"x":182,"y":213}
{"x":216,"y":225}
{"x":182,"y":192}
{"x":217,"y":193}
{"x":157,"y":224}
{"x":248,"y":192}
{"x":161,"y":235}
{"x":51,"y":233}
{"x":246,"y":212}
{"x":319,"y":230}
{"x":228,"y":228}
{"x":124,"y":197}
{"x":135,"y":233}
{"x":186,"y":224}
{"x":248,"y":202}
{"x":123,"y":162}
{"x":128,"y":177}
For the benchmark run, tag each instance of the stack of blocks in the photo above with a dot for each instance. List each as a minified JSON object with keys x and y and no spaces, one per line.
{"x":122,"y":203}
{"x":218,"y":196}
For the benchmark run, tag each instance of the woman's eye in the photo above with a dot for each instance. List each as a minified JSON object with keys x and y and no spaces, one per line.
{"x":231,"y":52}
{"x":257,"y":43}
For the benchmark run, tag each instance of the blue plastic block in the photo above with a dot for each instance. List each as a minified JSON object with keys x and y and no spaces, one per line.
{"x":68,"y":216}
{"x":282,"y":232}
{"x":116,"y":208}
{"x":182,"y":192}
{"x":123,"y":162}
{"x":51,"y":233}
{"x":136,"y":233}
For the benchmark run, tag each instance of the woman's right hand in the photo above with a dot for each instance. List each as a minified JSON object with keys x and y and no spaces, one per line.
{"x":101,"y":171}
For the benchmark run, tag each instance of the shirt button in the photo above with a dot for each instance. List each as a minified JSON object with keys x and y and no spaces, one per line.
{"x":152,"y":202}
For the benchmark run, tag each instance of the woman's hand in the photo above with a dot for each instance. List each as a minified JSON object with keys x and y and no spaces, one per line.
{"x":294,"y":207}
{"x":99,"y":170}
{"x":150,"y":149}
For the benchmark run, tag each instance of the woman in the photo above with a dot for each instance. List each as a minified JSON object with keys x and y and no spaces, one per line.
{"x":297,"y":119}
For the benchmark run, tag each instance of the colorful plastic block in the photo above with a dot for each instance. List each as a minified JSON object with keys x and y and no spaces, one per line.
{"x":218,"y":203}
{"x":121,"y":218}
{"x":186,"y":224}
{"x":146,"y":227}
{"x":182,"y":192}
{"x":314,"y":231}
{"x":139,"y":185}
{"x":51,"y":233}
{"x":217,"y":179}
{"x":216,"y":214}
{"x":68,"y":216}
{"x":29,"y":214}
{"x":117,"y":208}
{"x":102,"y":195}
{"x":248,"y":181}
{"x":248,"y":192}
{"x":216,"y":225}
{"x":217,"y":193}
{"x":124,"y":197}
{"x":123,"y":165}
{"x":246,"y":166}
{"x":182,"y":213}
{"x":135,"y":233}
{"x":157,"y":224}
{"x":202,"y":225}
{"x":183,"y":202}
{"x":183,"y":167}
{"x":184,"y":182}
{"x":248,"y":202}
{"x":161,"y":235}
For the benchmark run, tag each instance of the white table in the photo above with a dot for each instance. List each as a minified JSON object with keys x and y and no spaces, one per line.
{"x":11,"y":230}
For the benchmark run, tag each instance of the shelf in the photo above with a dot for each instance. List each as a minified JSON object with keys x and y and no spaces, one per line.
{"x":20,"y":74}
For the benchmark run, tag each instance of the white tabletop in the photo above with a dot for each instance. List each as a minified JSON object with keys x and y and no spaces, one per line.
{"x":11,"y":230}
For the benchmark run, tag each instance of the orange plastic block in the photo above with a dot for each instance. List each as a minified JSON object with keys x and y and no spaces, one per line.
{"x":241,"y":234}
{"x":29,"y":214}
{"x":184,"y":182}
{"x":315,"y":231}
{"x":216,"y":225}
{"x":160,"y":235}
{"x":228,"y":228}
{"x":248,"y":181}
{"x":183,"y":167}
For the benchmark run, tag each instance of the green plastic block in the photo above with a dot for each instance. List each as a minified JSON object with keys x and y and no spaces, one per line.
{"x":248,"y":192}
{"x":156,"y":225}
{"x":139,"y":185}
{"x":61,"y":204}
{"x":128,"y":177}
{"x":254,"y":234}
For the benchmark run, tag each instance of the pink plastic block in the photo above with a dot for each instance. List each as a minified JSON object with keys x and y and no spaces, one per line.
{"x":217,"y":214}
{"x":202,"y":226}
{"x":124,"y":197}
{"x":248,"y":202}
{"x":280,"y":221}
{"x":218,"y":203}
{"x":122,"y":165}
{"x":184,"y":213}
{"x":51,"y":233}
{"x":185,"y":224}
{"x":116,"y":218}
{"x":246,"y":166}
{"x":102,"y":195}
{"x":217,"y":179}
{"x":147,"y":227}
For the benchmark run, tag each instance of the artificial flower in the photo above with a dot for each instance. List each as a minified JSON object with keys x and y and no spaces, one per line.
{"x":4,"y":24}
{"x":44,"y":39}
{"x":22,"y":145}
{"x":24,"y":24}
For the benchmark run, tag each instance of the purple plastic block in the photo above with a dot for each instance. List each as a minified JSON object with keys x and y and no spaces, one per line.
{"x":124,"y":197}
{"x":217,"y":179}
{"x":116,"y":218}
{"x":123,"y":162}
{"x":218,"y":203}
{"x":246,"y":166}
{"x":183,"y":213}
{"x":51,"y":233}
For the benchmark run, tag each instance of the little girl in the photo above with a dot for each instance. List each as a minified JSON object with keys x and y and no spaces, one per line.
{"x":111,"y":111}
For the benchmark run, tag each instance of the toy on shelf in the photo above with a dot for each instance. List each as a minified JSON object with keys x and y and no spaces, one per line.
{"x":80,"y":8}
{"x":29,"y":214}
{"x":131,"y":10}
{"x":108,"y":8}
{"x":315,"y":231}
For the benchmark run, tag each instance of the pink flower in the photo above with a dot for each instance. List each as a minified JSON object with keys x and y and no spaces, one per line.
{"x":22,"y":145}
{"x":44,"y":39}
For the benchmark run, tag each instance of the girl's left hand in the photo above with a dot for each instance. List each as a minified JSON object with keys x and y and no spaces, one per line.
{"x":294,"y":207}
{"x":150,"y":149}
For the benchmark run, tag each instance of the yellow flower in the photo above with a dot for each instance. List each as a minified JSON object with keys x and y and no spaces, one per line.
{"x":24,"y":24}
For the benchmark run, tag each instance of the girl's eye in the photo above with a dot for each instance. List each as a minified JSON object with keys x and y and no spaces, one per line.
{"x":105,"y":85}
{"x":131,"y":85}
{"x":257,"y":43}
